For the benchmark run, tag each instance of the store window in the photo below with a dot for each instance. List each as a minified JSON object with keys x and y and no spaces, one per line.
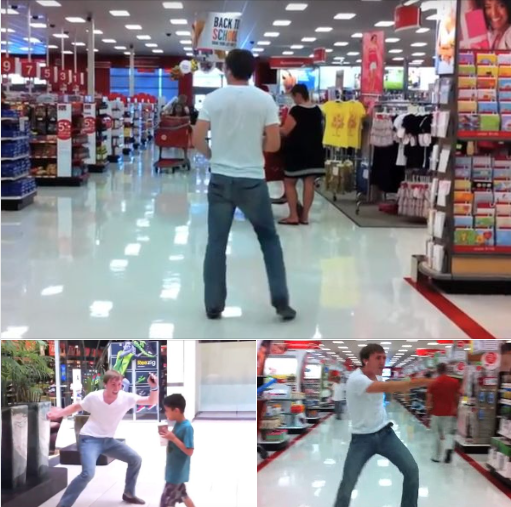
{"x":152,"y":81}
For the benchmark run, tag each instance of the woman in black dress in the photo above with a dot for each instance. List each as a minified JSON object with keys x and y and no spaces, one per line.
{"x":303,"y":153}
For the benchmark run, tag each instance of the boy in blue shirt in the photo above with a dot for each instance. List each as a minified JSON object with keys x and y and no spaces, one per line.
{"x":179,"y":452}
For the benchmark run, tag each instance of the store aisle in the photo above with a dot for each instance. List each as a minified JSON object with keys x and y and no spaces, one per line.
{"x":309,"y":473}
{"x":216,"y":479}
{"x":122,"y":257}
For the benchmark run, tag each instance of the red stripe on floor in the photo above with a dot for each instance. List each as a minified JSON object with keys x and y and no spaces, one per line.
{"x":499,"y":485}
{"x":467,"y":324}
{"x":275,"y":455}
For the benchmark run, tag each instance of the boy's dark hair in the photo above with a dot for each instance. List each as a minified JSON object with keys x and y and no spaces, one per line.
{"x":441,"y":369}
{"x":175,"y":401}
{"x":300,"y":89}
{"x":241,"y":63}
{"x":369,"y":350}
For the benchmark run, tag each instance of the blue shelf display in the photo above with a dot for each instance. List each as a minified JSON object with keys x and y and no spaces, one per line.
{"x":18,"y":187}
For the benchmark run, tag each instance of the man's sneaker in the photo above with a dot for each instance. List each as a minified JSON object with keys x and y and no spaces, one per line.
{"x":448,"y":456}
{"x":286,"y":312}
{"x":133,"y":499}
{"x":214,"y":314}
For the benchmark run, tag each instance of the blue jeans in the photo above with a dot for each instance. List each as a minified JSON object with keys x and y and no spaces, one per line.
{"x":339,"y":406}
{"x":387,"y":444}
{"x":251,"y":196}
{"x":90,"y":449}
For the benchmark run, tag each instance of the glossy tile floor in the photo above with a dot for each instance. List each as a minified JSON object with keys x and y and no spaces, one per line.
{"x":221,"y":475}
{"x":122,"y":258}
{"x":309,"y":473}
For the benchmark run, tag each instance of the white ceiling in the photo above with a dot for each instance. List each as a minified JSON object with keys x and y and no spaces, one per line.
{"x":258,"y":18}
{"x":399,"y":352}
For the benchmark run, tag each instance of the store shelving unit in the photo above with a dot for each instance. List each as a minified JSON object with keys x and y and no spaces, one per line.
{"x":476,"y":235}
{"x":18,"y":187}
{"x":115,"y":111}
{"x":129,"y":129}
{"x":312,"y":389}
{"x":148,"y":122}
{"x":137,"y":125}
{"x":96,"y":138}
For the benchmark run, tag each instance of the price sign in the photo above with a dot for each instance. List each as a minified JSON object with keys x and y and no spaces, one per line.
{"x":64,"y":130}
{"x":491,"y":360}
{"x":28,"y":69}
{"x":89,"y":125}
{"x":8,"y":65}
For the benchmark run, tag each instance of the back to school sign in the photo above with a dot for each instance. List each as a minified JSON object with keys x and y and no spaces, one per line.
{"x":219,"y":32}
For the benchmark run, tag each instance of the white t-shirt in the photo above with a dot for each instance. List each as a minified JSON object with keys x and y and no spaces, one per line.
{"x":104,"y":418}
{"x":366,"y":410}
{"x":238,"y":116}
{"x":339,"y":392}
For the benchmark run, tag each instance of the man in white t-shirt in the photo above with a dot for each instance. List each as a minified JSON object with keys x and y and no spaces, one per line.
{"x":372,"y":431}
{"x":244,"y":122}
{"x":107,"y":408}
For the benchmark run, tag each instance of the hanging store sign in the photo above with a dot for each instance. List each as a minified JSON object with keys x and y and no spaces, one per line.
{"x":303,"y":344}
{"x":277,"y":62}
{"x":319,"y":55}
{"x":446,"y":37}
{"x":218,"y":31}
{"x":8,"y":65}
{"x":407,"y":17}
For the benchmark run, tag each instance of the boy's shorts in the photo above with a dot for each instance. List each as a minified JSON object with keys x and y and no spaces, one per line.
{"x":173,"y":494}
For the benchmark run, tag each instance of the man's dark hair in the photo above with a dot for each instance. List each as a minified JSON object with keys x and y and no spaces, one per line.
{"x":175,"y":401}
{"x":300,"y":89}
{"x":369,"y":350}
{"x":241,"y":63}
{"x":441,"y":369}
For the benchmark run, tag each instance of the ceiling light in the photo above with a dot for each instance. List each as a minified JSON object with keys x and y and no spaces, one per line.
{"x":190,"y":54}
{"x":344,"y":15}
{"x":33,"y":40}
{"x":362,"y":344}
{"x":157,"y":50}
{"x":172,"y":5}
{"x":9,"y":11}
{"x":433,"y":17}
{"x":179,"y":21}
{"x":357,"y":35}
{"x":423,"y":30}
{"x":264,"y":43}
{"x":67,"y":52}
{"x":281,"y":22}
{"x":52,"y":46}
{"x":183,"y":33}
{"x":120,"y":48}
{"x":396,"y":51}
{"x":127,"y":53}
{"x":384,"y":23}
{"x":406,"y":346}
{"x":151,"y":45}
{"x":109,"y":41}
{"x":273,"y":34}
{"x":288,"y":53}
{"x":143,"y":37}
{"x":353,"y":53}
{"x":329,"y":50}
{"x":60,"y":36}
{"x":98,"y":32}
{"x":341,"y":44}
{"x":48,"y":3}
{"x":392,"y":40}
{"x":296,"y":46}
{"x":78,"y":44}
{"x":308,"y":39}
{"x":296,"y":7}
{"x":398,"y":59}
{"x":188,"y":49}
{"x":432,"y":343}
{"x":120,"y":14}
{"x":421,"y":54}
{"x":186,"y":42}
{"x":257,"y":50}
{"x":73,"y":19}
{"x":324,"y":29}
{"x":38,"y":25}
{"x":133,"y":27}
{"x":419,"y":44}
{"x":95,"y":50}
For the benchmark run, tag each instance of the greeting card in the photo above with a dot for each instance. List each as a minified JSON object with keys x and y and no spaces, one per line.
{"x":485,"y":59}
{"x":489,"y":122}
{"x":488,"y":70}
{"x":488,"y":107}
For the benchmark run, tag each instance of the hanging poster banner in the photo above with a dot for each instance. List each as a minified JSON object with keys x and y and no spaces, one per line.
{"x":446,"y":36}
{"x":407,"y":17}
{"x":476,"y":32}
{"x":319,"y":55}
{"x":218,"y":31}
{"x":373,"y":68}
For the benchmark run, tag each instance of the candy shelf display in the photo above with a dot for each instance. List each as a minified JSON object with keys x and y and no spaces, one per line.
{"x":18,"y":187}
{"x":129,"y":129}
{"x":137,"y":125}
{"x":115,"y":111}
{"x":60,"y":145}
{"x":469,"y":223}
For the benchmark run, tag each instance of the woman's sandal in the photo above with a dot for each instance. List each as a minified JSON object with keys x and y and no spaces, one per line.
{"x":285,"y":221}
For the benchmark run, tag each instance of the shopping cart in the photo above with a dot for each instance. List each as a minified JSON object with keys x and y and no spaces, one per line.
{"x":173,"y":132}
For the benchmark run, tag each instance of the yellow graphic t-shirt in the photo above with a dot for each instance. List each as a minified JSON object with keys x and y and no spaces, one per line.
{"x":343,"y":124}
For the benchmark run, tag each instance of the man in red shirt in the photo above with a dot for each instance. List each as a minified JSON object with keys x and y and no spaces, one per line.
{"x":442,"y":404}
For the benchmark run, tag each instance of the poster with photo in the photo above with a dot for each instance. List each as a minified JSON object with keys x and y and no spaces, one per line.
{"x":446,"y":36}
{"x":474,"y":25}
{"x":373,"y":66}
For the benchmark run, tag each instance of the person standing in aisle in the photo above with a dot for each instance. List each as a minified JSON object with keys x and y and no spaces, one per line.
{"x":107,"y":407}
{"x":442,"y":404}
{"x":339,"y":397}
{"x":372,"y":432}
{"x":244,"y":122}
{"x":304,"y":153}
